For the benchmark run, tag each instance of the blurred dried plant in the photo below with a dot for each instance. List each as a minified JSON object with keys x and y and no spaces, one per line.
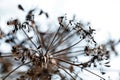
{"x":52,"y":52}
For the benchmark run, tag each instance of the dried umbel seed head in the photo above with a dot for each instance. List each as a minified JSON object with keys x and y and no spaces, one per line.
{"x":52,"y":52}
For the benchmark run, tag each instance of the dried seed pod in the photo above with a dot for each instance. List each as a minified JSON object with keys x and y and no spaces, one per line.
{"x":60,"y":19}
{"x":71,"y":68}
{"x":20,"y":7}
{"x":46,"y":14}
{"x":41,"y":12}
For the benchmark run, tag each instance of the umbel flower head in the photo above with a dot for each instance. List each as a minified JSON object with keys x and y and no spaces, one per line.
{"x":51,"y":53}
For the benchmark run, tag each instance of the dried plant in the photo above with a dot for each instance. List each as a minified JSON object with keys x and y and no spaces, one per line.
{"x":52,"y":52}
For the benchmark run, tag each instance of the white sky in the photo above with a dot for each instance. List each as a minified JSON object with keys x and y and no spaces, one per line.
{"x":104,"y":15}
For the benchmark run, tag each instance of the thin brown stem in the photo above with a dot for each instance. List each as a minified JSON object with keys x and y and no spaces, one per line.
{"x":60,"y":41}
{"x":29,"y":38}
{"x":73,"y":72}
{"x":67,"y":47}
{"x":39,"y":36}
{"x":66,"y":71}
{"x":94,"y":73}
{"x":67,"y":62}
{"x":7,"y":56}
{"x":14,"y":70}
{"x":68,"y":53}
{"x":52,"y":41}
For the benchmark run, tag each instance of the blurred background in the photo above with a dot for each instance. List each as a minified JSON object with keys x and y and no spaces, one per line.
{"x":103,"y":16}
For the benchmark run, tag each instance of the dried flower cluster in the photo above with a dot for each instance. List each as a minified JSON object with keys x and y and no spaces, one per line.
{"x":51,"y":52}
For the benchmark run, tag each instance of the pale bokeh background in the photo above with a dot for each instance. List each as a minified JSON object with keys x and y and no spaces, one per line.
{"x":104,"y":16}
